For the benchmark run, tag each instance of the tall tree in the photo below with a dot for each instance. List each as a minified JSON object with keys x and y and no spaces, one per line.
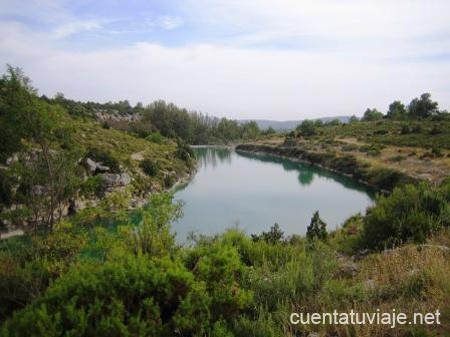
{"x":372,"y":115}
{"x":317,"y":228}
{"x":397,"y":111}
{"x":422,"y":107}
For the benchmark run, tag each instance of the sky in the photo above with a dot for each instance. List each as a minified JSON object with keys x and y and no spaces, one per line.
{"x":242,"y":59}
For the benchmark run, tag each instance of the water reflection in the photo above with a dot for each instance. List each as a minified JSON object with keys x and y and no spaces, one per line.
{"x":213,"y":156}
{"x":307,"y":172}
{"x":258,"y":190}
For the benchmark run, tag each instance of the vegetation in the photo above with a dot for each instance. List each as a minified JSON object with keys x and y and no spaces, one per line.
{"x":161,"y":118}
{"x":104,"y":269}
{"x":51,"y":162}
{"x":136,"y":281}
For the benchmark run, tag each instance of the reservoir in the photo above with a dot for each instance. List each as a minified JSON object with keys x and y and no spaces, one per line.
{"x":253,"y":192}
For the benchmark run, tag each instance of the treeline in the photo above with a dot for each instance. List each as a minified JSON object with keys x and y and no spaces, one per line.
{"x":161,"y":117}
{"x":422,"y":107}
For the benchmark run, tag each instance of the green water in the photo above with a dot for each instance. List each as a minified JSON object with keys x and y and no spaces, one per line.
{"x":254,"y":192}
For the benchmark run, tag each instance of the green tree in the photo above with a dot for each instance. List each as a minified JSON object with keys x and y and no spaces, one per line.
{"x":422,"y":107}
{"x":317,"y":228}
{"x":307,"y":128}
{"x":353,"y":119}
{"x":372,"y":115}
{"x":397,"y":111}
{"x":44,"y":171}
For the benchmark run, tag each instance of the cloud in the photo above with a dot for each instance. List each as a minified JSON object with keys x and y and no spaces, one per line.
{"x":341,"y":57}
{"x":72,"y":28}
{"x":170,"y":22}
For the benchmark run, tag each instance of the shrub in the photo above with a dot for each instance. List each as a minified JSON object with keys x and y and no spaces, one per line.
{"x":169,"y":180}
{"x":317,"y":229}
{"x":436,"y":151}
{"x":274,"y":235}
{"x":155,"y":137}
{"x":150,"y":167}
{"x":93,"y":186}
{"x":184,"y":151}
{"x":349,"y":147}
{"x":105,"y":158}
{"x":409,"y":213}
{"x":127,"y":296}
{"x":396,"y":158}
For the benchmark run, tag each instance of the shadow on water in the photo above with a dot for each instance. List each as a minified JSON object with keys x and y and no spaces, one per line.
{"x":306,"y":173}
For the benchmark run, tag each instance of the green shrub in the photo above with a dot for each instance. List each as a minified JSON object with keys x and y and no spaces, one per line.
{"x":126,"y":296}
{"x":409,"y":213}
{"x":105,"y":158}
{"x":155,"y":137}
{"x":150,"y":167}
{"x":317,"y":228}
{"x":169,"y":181}
{"x":436,"y":151}
{"x":93,"y":186}
{"x":184,"y":151}
{"x":396,"y":158}
{"x":274,"y":235}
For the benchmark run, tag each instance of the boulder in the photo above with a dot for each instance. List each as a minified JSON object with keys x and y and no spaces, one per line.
{"x":96,"y":167}
{"x":125,"y":179}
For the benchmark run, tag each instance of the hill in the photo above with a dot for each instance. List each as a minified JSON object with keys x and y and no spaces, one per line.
{"x":264,"y":124}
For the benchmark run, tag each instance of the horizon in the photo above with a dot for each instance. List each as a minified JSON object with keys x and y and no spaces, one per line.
{"x":254,"y":60}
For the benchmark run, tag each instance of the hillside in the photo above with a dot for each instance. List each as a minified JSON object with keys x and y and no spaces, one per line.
{"x":264,"y":124}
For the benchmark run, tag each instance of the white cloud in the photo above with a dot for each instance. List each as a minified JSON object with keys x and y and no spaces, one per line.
{"x":380,"y":51}
{"x":170,"y":22}
{"x":72,"y":28}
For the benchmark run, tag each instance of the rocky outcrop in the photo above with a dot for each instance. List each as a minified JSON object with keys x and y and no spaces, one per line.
{"x":96,"y":167}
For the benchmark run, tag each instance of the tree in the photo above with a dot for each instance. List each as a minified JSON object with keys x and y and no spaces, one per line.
{"x":273,"y":236}
{"x":372,"y":115}
{"x":43,"y":171}
{"x":422,"y":107}
{"x":353,"y":119}
{"x":307,"y":128}
{"x":397,"y":111}
{"x":317,"y":228}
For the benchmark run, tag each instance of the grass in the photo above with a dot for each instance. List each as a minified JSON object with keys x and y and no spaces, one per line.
{"x":130,"y":151}
{"x":422,"y":153}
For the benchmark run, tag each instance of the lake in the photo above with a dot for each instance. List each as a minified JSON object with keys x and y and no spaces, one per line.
{"x":255,"y":191}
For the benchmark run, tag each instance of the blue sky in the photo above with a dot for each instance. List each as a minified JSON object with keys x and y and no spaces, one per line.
{"x":272,"y":59}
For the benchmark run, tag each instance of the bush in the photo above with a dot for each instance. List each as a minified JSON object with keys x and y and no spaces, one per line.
{"x":93,"y":186}
{"x":105,"y":158}
{"x":274,"y":235}
{"x":155,"y":137}
{"x":317,"y":229}
{"x":169,"y":181}
{"x":127,"y":296}
{"x":435,"y":151}
{"x":184,"y":151}
{"x":409,"y":213}
{"x":150,"y":167}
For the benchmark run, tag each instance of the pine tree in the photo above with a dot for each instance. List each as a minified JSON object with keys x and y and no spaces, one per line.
{"x":317,"y":228}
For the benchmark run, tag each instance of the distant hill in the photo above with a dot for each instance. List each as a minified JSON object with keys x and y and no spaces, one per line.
{"x":289,"y":125}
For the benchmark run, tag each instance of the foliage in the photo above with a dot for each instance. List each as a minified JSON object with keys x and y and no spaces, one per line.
{"x":149,"y":167}
{"x":422,"y":107}
{"x":372,"y":115}
{"x":397,"y":111}
{"x":307,"y":128}
{"x":408,"y":213}
{"x":44,"y":175}
{"x":104,"y":158}
{"x":274,"y":235}
{"x":317,"y":228}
